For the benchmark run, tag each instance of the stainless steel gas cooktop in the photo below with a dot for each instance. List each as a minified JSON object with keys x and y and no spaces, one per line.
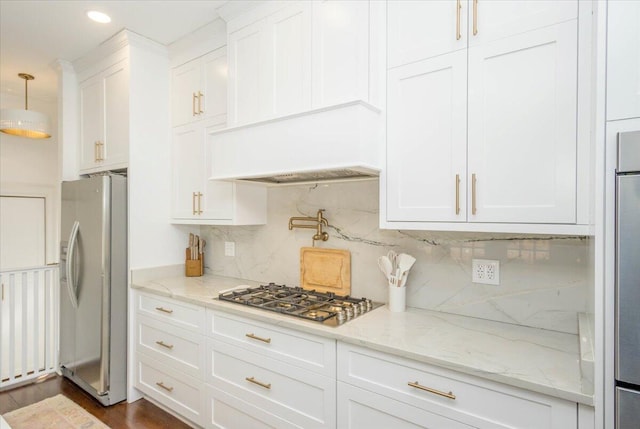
{"x":322,"y":307}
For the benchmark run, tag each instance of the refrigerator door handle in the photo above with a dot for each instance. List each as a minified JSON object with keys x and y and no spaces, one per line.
{"x":71,"y":286}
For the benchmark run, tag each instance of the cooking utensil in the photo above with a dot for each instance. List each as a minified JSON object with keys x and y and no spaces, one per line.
{"x":405,"y":262}
{"x":385,"y":266}
{"x":393,"y":257}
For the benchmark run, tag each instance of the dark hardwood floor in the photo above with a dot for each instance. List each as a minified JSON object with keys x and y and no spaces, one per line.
{"x":141,"y":414}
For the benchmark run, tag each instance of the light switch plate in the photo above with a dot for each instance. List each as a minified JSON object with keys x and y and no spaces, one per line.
{"x":229,"y":248}
{"x":485,"y":271}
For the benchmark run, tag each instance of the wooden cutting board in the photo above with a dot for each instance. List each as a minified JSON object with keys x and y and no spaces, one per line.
{"x":325,"y":270}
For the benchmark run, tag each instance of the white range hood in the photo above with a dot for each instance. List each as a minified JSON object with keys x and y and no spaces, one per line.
{"x":336,"y":143}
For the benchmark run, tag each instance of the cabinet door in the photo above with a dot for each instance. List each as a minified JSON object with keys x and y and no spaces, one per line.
{"x":213,"y":102}
{"x":426,"y":139}
{"x":424,"y":29}
{"x":522,"y":127}
{"x":116,"y":115}
{"x":494,"y":19}
{"x":623,"y":59}
{"x":187,"y":171}
{"x":247,"y":54}
{"x":340,"y":49}
{"x":91,"y":123}
{"x":185,"y":82}
{"x":288,"y":67}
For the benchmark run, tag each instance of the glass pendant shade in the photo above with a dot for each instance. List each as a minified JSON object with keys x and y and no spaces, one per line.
{"x":25,"y":123}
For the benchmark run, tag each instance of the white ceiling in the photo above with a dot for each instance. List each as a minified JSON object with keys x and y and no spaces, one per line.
{"x":33,"y":34}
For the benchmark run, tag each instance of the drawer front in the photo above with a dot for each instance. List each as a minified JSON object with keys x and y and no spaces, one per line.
{"x":229,"y":412}
{"x":452,"y":395}
{"x":359,"y":408}
{"x":169,"y":310}
{"x":181,"y":349}
{"x":179,"y":392}
{"x":296,"y":348}
{"x":294,"y":394}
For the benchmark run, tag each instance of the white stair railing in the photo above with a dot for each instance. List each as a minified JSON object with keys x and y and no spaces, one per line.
{"x":29,"y":306}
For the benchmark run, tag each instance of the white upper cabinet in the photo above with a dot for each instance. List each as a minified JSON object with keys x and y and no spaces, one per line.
{"x":623,"y":59}
{"x":427,"y":112}
{"x":288,"y":66}
{"x":247,"y":65}
{"x":522,"y":127}
{"x":291,"y":57}
{"x":198,"y":89}
{"x":270,"y":65}
{"x":104,"y":119}
{"x":482,"y":119}
{"x":494,"y":19}
{"x":417,"y":30}
{"x":195,"y":199}
{"x":340,"y":48}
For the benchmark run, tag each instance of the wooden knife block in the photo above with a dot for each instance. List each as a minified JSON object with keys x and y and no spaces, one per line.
{"x":193,"y":267}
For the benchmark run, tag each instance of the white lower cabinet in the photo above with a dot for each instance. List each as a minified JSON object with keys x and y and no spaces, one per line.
{"x":175,"y":390}
{"x":224,"y":410}
{"x":359,"y":408}
{"x":379,"y":388}
{"x":265,"y":373}
{"x":219,"y":370}
{"x":170,"y":354}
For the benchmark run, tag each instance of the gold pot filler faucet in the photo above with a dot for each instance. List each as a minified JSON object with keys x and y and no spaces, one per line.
{"x":318,"y":220}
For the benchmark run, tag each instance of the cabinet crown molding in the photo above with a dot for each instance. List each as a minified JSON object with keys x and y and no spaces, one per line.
{"x":123,"y":39}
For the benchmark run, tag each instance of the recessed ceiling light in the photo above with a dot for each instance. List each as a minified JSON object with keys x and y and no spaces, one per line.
{"x":100,"y":17}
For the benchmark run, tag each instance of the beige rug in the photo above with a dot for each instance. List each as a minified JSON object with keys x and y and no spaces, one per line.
{"x":58,"y":412}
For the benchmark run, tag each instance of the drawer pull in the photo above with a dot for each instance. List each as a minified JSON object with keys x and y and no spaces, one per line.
{"x":417,"y":385}
{"x":255,"y":337}
{"x":164,"y":310}
{"x":161,"y":384}
{"x":259,"y":383}
{"x":163,"y":344}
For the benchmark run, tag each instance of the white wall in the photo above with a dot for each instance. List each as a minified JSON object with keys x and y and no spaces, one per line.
{"x":30,"y":166}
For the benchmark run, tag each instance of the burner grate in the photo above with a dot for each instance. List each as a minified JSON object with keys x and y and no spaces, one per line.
{"x":324,"y":307}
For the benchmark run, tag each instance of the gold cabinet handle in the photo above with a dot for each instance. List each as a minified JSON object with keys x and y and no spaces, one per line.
{"x":98,"y":151}
{"x":457,"y":194}
{"x":255,"y":337}
{"x":200,"y":95}
{"x":193,"y":104}
{"x":165,"y":345}
{"x":473,"y":194}
{"x":193,"y":203}
{"x":161,"y":384}
{"x":417,"y":385}
{"x":259,"y":383}
{"x":164,"y":310}
{"x":475,"y":17}
{"x":199,"y":203}
{"x":458,"y":8}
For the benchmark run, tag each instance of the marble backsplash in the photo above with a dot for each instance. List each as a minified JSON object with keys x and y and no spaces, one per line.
{"x":543,"y":280}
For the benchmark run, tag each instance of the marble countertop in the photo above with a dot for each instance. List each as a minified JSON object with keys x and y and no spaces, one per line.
{"x":543,"y":361}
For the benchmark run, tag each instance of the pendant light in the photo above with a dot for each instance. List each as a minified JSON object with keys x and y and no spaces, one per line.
{"x":25,"y":123}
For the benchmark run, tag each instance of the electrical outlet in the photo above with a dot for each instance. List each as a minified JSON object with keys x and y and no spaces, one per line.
{"x":229,"y":248}
{"x":485,"y":271}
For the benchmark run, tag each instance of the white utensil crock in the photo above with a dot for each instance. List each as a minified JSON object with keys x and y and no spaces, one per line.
{"x":397,"y":298}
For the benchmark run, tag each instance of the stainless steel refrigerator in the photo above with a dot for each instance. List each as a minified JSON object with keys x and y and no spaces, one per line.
{"x":93,"y":286}
{"x":627,"y":342}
